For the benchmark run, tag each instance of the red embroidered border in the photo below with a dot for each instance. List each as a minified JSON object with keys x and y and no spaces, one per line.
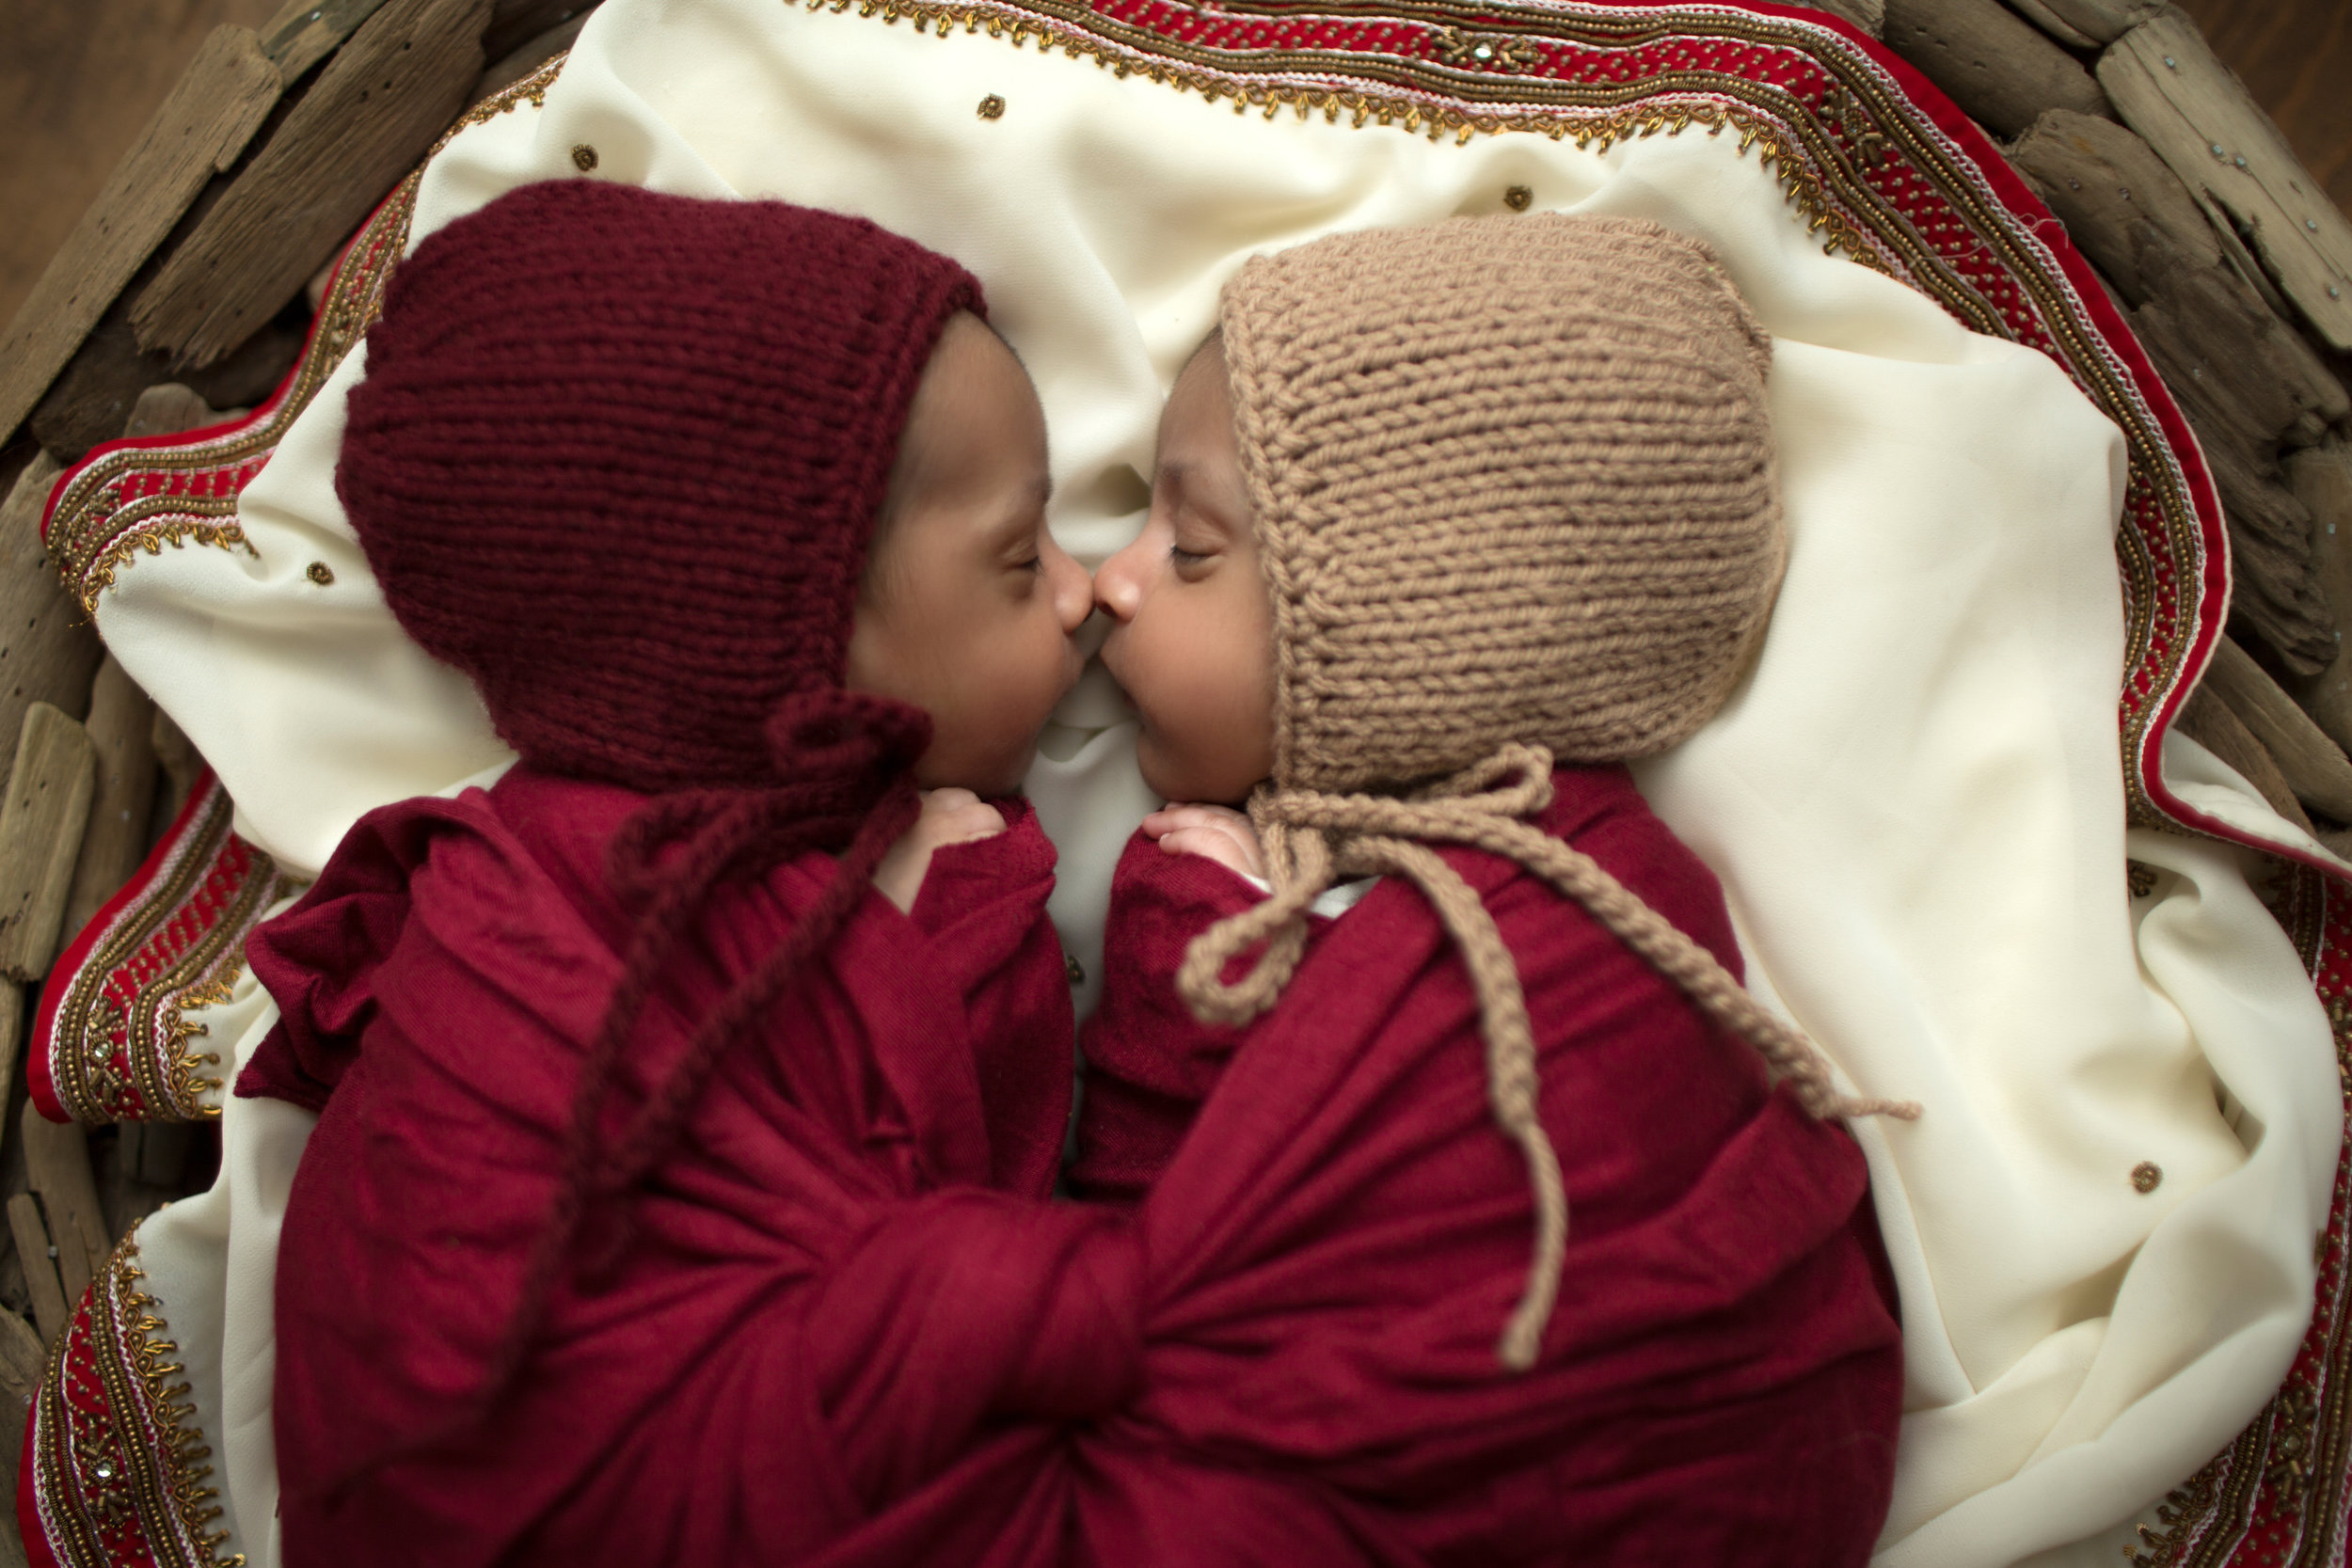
{"x":112,"y":1040}
{"x":117,"y":1465}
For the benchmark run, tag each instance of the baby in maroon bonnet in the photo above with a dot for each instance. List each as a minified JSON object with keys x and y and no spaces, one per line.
{"x":734,"y":514}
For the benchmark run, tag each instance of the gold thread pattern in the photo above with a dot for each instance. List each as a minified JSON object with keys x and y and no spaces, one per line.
{"x":122,"y":1044}
{"x":120,"y":1464}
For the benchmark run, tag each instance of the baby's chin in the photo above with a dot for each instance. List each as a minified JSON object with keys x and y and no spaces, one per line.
{"x":1179,"y":779}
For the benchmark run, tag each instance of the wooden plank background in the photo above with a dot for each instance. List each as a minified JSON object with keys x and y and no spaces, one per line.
{"x":79,"y":77}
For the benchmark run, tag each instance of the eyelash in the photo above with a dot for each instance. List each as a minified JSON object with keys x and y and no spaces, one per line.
{"x":1184,"y":558}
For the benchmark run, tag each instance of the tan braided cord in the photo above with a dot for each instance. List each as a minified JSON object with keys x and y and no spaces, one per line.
{"x":1314,"y":836}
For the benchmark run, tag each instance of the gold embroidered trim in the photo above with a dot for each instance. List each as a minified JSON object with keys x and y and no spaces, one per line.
{"x":121,"y":1044}
{"x":128,"y":1453}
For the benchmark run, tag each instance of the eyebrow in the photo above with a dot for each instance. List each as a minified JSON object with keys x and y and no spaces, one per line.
{"x":1181,"y":474}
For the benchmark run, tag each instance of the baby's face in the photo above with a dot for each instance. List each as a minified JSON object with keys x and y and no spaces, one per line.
{"x":1193,"y":643}
{"x":968,"y":608}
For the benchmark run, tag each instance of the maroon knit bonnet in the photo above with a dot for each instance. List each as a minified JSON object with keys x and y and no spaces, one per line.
{"x":617,"y":456}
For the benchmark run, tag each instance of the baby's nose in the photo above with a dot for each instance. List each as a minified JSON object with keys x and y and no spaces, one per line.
{"x":1117,"y":592}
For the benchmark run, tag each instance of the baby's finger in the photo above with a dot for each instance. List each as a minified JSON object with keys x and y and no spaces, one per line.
{"x":1170,"y":819}
{"x":1208,"y":844}
{"x":947,"y":800}
{"x":961,"y":824}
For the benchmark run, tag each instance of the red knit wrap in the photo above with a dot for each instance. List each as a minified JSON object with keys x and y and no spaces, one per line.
{"x":617,"y":457}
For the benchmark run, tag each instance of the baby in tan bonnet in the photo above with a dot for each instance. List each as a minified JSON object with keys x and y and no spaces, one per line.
{"x":1448,"y":524}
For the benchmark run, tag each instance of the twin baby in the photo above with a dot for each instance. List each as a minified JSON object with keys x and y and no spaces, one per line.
{"x":693,"y":1101}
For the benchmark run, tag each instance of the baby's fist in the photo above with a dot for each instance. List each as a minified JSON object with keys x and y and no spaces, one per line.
{"x":1213,"y":832}
{"x":949,"y":817}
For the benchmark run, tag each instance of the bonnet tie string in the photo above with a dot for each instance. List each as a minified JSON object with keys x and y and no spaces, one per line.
{"x":1311,"y":838}
{"x":844,"y":763}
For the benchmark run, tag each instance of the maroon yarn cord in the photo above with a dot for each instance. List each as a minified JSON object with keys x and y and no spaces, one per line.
{"x":848,"y":760}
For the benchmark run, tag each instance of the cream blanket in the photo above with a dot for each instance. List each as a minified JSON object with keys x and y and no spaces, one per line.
{"x":1915,"y":805}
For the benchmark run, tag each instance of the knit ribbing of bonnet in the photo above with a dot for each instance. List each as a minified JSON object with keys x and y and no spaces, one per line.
{"x":1514,"y":488}
{"x":617,"y":457}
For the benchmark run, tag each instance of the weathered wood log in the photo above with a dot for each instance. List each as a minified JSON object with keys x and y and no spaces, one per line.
{"x":2274,"y":598}
{"x":1995,"y":66}
{"x":41,"y":837}
{"x":529,"y":55}
{"x":2314,"y":767}
{"x":170,"y":407}
{"x":94,"y":397}
{"x":2246,"y":384}
{"x":178,"y":756}
{"x":122,"y":726}
{"x":2104,"y":21}
{"x":13,"y":1030}
{"x":2060,"y":30}
{"x":374,"y":109}
{"x":48,"y":653}
{"x":2321,"y":479}
{"x":2248,"y":370}
{"x":2101,"y":181}
{"x":1868,"y":15}
{"x":56,"y":1163}
{"x":304,"y":32}
{"x":154,"y":1154}
{"x":221,"y":100}
{"x":515,"y":23}
{"x":2206,"y":719}
{"x":40,"y":1257}
{"x":2168,"y":85}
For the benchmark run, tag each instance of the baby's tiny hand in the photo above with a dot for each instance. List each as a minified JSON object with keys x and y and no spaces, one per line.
{"x":1214,"y":833}
{"x":949,"y":817}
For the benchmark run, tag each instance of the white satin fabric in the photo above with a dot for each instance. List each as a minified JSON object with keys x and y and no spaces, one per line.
{"x":1915,"y":803}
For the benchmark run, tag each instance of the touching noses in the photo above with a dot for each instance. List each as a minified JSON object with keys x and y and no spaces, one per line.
{"x":1116,"y":589}
{"x":1074,"y":594}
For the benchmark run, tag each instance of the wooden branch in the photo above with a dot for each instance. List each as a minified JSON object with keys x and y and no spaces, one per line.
{"x":2314,"y":767}
{"x":227,"y":91}
{"x":373,"y":111}
{"x":99,"y":390}
{"x":41,"y":837}
{"x":154,"y":1154}
{"x":121,"y":727}
{"x":2208,"y":720}
{"x":51,"y":1310}
{"x":178,"y":756}
{"x":2168,"y":87}
{"x":12,"y":1022}
{"x":2321,"y":479}
{"x":48,"y":652}
{"x":2274,"y":598}
{"x":1995,"y":66}
{"x":2227,"y":357}
{"x":514,"y":23}
{"x":2056,"y":27}
{"x":2102,"y":181}
{"x":307,"y":31}
{"x":57,"y":1161}
{"x":2104,"y":21}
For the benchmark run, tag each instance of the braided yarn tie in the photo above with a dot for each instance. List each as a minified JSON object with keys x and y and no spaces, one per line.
{"x":1312,"y":838}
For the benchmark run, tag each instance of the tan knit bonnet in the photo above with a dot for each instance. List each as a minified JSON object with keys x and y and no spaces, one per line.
{"x":1514,"y":490}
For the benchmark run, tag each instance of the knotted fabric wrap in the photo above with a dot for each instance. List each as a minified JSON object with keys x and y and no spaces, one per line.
{"x":1513,"y":485}
{"x":545,"y":370}
{"x":965,"y":1304}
